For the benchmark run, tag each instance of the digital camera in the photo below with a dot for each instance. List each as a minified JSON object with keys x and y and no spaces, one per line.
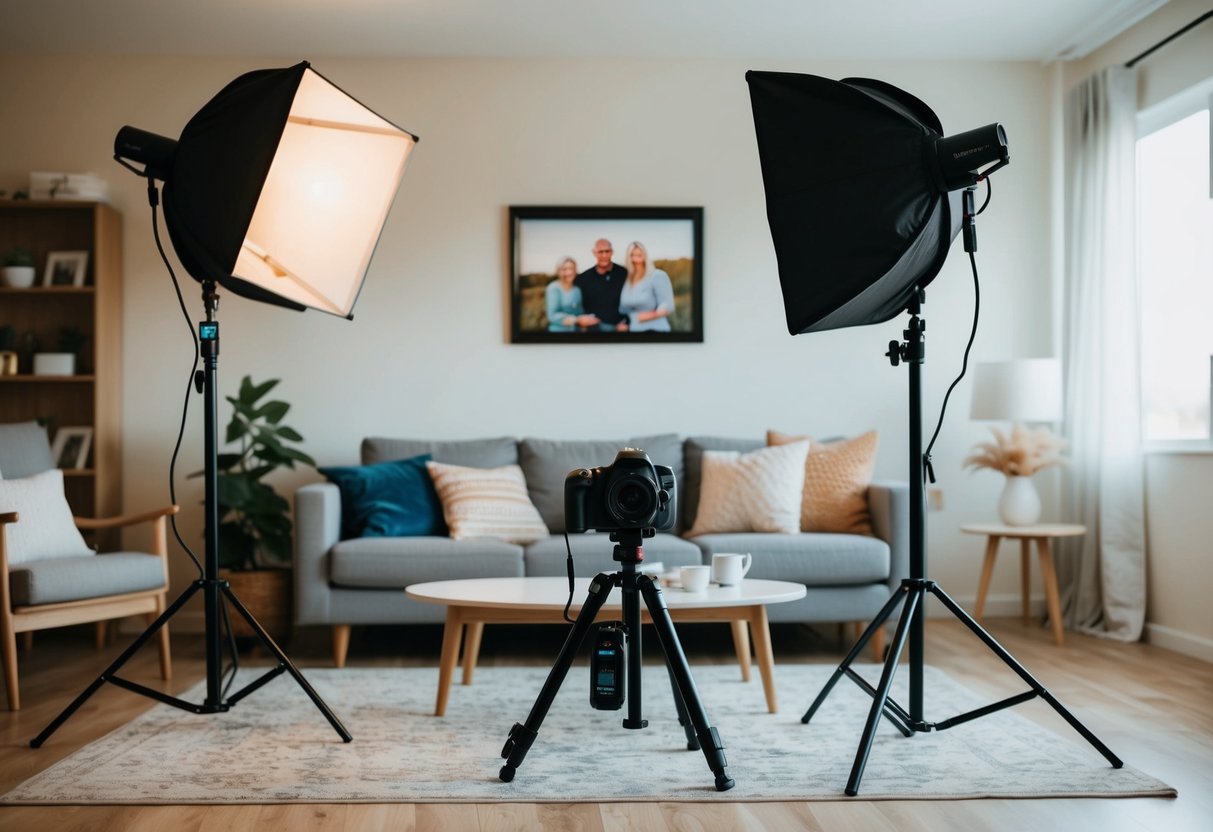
{"x":630,"y":493}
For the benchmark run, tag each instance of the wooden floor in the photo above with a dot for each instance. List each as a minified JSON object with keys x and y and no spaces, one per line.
{"x":1154,"y":708}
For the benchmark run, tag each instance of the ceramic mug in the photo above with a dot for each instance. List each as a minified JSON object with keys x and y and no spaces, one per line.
{"x":729,"y":569}
{"x":695,"y":578}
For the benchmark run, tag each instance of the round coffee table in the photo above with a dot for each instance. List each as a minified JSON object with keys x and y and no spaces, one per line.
{"x":479,"y":601}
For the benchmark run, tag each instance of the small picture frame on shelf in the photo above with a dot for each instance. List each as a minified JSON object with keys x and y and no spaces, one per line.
{"x":71,"y":446}
{"x":65,"y":268}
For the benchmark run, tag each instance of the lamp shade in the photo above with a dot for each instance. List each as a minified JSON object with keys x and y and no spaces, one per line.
{"x":1025,"y":390}
{"x":862,"y":210}
{"x":279,"y":187}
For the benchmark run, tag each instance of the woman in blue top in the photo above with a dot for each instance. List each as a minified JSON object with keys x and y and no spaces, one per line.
{"x":563,"y":299}
{"x":648,"y":296}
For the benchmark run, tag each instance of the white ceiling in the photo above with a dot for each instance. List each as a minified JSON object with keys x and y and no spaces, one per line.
{"x":774,"y":29}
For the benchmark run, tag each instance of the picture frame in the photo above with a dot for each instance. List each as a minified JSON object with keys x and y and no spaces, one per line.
{"x":65,"y":268}
{"x":664,"y":303}
{"x":71,"y":446}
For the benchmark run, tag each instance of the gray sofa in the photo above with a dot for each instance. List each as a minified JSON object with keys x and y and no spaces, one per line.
{"x":361,"y":581}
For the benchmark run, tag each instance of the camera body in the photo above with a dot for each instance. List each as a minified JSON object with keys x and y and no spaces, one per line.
{"x":630,"y":493}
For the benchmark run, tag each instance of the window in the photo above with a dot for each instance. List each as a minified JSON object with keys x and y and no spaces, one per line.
{"x":1175,"y":251}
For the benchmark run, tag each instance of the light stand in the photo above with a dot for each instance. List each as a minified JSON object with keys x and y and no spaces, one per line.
{"x":913,"y":590}
{"x":215,"y":590}
{"x":691,"y":714}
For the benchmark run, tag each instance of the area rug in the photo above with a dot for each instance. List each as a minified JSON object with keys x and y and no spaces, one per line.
{"x":275,"y":747}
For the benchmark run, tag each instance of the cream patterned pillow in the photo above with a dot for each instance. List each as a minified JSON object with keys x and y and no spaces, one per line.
{"x":487,"y":502}
{"x":836,"y":480}
{"x":44,"y":527}
{"x":755,"y":492}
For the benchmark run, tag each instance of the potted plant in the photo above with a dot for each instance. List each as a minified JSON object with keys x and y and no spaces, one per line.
{"x":19,"y":268}
{"x":62,"y":363}
{"x":1018,"y":456}
{"x":254,"y":524}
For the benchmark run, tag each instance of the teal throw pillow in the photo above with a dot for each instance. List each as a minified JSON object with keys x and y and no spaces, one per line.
{"x":388,"y":499}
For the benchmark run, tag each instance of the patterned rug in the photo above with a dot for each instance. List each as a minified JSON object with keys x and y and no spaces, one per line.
{"x":275,"y":747}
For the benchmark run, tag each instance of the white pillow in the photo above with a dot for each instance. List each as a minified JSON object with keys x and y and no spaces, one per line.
{"x":755,"y":492}
{"x":44,"y":527}
{"x":487,"y":502}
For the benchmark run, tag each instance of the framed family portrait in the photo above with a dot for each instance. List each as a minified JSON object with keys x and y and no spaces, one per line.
{"x":71,"y":446}
{"x":583,"y":275}
{"x":65,"y":268}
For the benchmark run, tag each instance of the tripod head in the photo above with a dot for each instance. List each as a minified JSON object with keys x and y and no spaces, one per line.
{"x":628,"y":550}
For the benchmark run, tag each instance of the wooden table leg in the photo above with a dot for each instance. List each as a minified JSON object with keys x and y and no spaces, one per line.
{"x":987,"y":570}
{"x":741,"y":643}
{"x":452,"y":634}
{"x":1051,"y":593}
{"x":1025,"y":577}
{"x":471,"y":649}
{"x":761,"y":634}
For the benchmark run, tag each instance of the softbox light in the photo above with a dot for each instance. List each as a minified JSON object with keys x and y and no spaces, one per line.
{"x":278,"y":188}
{"x":862,"y":193}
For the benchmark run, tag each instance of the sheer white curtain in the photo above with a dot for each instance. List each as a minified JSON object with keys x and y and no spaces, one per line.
{"x":1103,"y":574}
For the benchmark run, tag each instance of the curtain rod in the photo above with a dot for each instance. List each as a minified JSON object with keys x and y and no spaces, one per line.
{"x":1168,"y":39}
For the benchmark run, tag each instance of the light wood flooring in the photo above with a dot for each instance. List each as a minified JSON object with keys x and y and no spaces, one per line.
{"x":1153,"y":707}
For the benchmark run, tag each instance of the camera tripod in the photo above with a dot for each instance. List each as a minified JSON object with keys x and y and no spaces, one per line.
{"x":691,"y":715}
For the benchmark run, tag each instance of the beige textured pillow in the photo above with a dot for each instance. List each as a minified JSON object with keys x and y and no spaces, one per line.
{"x":44,"y":527}
{"x":487,"y":502}
{"x":755,"y":492}
{"x":836,"y":480}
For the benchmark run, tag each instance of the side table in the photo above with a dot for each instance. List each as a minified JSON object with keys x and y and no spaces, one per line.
{"x":1042,"y":534}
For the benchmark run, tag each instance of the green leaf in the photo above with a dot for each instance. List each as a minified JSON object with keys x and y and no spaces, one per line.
{"x":250,"y":393}
{"x":273,"y":411}
{"x":289,"y":434}
{"x":236,"y":429}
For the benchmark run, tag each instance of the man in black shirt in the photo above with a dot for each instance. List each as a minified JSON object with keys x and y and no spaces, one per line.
{"x":600,"y":286}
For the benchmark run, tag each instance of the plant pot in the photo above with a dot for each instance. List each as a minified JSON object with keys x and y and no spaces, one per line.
{"x":19,"y":277}
{"x":54,"y":363}
{"x":1019,"y":504}
{"x":267,"y":595}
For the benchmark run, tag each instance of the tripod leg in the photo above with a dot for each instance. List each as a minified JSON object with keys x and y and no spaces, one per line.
{"x":681,"y":707}
{"x":676,"y":660}
{"x":879,"y":621}
{"x":1022,"y":672}
{"x":913,"y":598}
{"x":522,"y":736}
{"x":108,"y":673}
{"x":285,"y":664}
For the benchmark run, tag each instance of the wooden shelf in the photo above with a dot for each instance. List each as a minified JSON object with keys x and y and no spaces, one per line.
{"x":49,"y":290}
{"x":26,"y":378}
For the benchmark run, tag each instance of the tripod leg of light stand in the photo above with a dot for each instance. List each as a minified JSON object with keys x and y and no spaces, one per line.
{"x":284,"y":664}
{"x":913,"y":599}
{"x":1021,"y":671}
{"x":522,"y":736}
{"x":108,"y":674}
{"x":676,"y":660}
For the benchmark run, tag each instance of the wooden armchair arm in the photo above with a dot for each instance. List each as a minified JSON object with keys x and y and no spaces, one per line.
{"x":124,"y":520}
{"x":8,"y":517}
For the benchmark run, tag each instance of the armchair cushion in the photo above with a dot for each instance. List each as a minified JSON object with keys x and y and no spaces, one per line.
{"x":25,"y":449}
{"x":44,"y":528}
{"x":91,"y":576}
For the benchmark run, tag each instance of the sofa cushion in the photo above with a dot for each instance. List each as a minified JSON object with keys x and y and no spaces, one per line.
{"x":836,"y":479}
{"x":91,"y":576}
{"x":546,"y":463}
{"x":755,"y":492}
{"x":475,"y":453}
{"x":25,"y":450}
{"x":815,"y":559}
{"x":388,"y":499}
{"x":692,"y":455}
{"x":397,"y":562}
{"x":487,"y":502}
{"x":44,"y":527}
{"x":592,"y":554}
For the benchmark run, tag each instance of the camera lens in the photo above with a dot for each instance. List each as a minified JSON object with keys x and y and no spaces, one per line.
{"x":632,"y":500}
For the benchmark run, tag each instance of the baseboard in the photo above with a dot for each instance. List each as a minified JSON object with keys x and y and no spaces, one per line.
{"x":1180,"y":642}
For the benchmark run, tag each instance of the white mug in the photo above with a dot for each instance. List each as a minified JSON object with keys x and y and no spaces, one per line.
{"x":695,"y":578}
{"x":729,"y":569}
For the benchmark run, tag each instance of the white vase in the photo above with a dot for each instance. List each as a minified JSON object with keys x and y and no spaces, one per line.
{"x":54,"y":363}
{"x":1019,"y":504}
{"x":19,"y":277}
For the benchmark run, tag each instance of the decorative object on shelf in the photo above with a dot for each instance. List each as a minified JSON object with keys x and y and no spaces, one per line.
{"x":19,"y":270}
{"x":1024,"y":390}
{"x":71,"y":447}
{"x":8,"y":356}
{"x":65,"y":268}
{"x":81,"y":186}
{"x":54,"y":363}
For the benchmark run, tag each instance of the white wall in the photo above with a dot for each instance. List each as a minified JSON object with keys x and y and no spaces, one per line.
{"x":428,"y":353}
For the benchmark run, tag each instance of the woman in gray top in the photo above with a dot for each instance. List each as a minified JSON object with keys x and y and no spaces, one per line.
{"x":563,"y":299}
{"x":648,"y":295}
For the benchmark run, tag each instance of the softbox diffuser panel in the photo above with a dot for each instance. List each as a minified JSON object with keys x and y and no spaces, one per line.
{"x":855,"y":214}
